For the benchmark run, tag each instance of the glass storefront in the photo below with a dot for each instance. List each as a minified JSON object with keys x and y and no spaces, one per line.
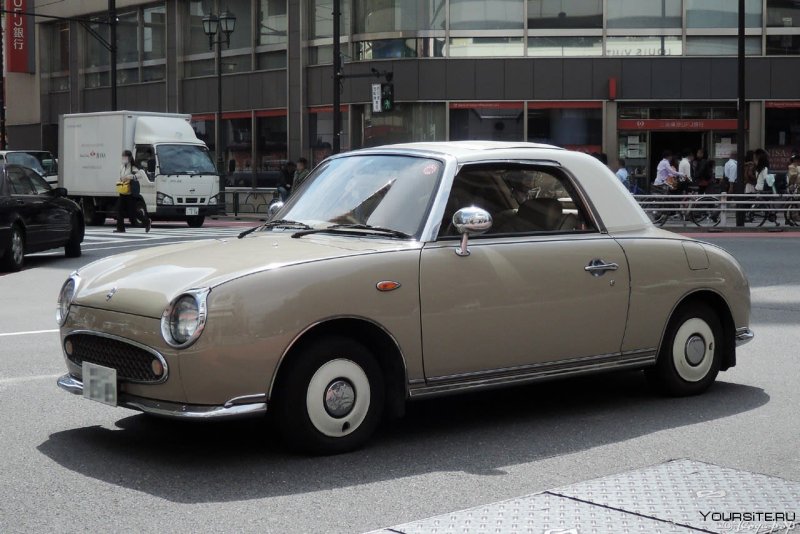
{"x":662,"y":45}
{"x":572,"y":125}
{"x":781,"y":132}
{"x":407,"y":122}
{"x":496,"y":121}
{"x":486,"y":14}
{"x":271,"y":149}
{"x":320,"y":130}
{"x":565,"y":14}
{"x":639,"y":14}
{"x":783,"y":14}
{"x":374,"y":16}
{"x":721,"y":14}
{"x":320,"y":18}
{"x":54,"y":57}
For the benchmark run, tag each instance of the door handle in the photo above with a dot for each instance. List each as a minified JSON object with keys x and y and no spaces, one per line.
{"x":598,"y":267}
{"x":20,"y":201}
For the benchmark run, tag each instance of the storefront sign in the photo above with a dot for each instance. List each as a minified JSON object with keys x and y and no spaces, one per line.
{"x":19,"y":37}
{"x":485,"y":105}
{"x":778,"y":158}
{"x":676,"y":124}
{"x":783,"y":105}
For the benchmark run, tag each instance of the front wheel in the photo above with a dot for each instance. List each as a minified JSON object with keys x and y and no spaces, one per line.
{"x":72,"y":248}
{"x":330,"y":397}
{"x":195,"y":221}
{"x":705,"y":212}
{"x":689,"y":357}
{"x":14,"y":256}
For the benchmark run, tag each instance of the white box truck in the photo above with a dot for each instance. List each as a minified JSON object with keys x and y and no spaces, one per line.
{"x":182,"y":182}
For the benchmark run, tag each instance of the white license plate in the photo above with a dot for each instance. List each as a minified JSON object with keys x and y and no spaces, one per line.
{"x":99,"y":383}
{"x":192,"y":211}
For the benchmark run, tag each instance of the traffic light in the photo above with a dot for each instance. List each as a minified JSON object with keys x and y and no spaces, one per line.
{"x":387,"y":97}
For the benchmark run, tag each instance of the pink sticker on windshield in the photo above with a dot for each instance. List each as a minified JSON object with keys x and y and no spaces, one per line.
{"x":430,"y":168}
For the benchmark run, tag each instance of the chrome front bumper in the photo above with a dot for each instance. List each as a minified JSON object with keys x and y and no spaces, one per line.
{"x":230,"y":410}
{"x":743,"y":335}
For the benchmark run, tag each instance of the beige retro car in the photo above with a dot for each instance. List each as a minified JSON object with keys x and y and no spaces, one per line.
{"x":403,"y":272}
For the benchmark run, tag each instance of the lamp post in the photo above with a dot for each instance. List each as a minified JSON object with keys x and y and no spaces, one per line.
{"x":219,"y":30}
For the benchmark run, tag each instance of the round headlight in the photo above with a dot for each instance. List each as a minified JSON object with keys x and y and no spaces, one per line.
{"x":64,"y":301}
{"x":183,"y":321}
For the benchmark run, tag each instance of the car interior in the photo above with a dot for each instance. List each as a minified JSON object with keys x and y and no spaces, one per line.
{"x":521,"y":200}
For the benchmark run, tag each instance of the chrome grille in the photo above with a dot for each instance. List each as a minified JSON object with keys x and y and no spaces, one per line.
{"x":131,"y":362}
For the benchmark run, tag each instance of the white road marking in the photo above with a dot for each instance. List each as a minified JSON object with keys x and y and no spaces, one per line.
{"x":29,"y":332}
{"x":17,"y":379}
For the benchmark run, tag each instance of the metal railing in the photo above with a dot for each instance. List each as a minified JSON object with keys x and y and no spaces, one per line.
{"x":719,"y":210}
{"x":247,"y":200}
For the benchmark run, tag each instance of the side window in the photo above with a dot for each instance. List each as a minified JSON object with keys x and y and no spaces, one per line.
{"x":20,"y":184}
{"x":521,"y":200}
{"x":40,"y":185}
{"x":143,"y":157}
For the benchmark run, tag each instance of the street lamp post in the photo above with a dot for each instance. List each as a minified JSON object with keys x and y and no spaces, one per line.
{"x":219,"y":30}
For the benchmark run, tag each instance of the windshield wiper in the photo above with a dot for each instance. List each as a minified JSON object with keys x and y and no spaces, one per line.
{"x":354,"y":229}
{"x":280,"y":223}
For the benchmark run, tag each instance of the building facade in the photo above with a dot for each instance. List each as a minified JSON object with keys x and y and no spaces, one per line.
{"x":625,"y":77}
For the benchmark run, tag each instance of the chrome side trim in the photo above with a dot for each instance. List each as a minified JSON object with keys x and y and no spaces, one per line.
{"x":176,"y":410}
{"x":744,"y":335}
{"x":534,"y":373}
{"x":145,"y":348}
{"x":246,"y":399}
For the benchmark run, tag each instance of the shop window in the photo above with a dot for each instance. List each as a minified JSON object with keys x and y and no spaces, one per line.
{"x":721,"y":46}
{"x":486,"y":121}
{"x":549,"y":15}
{"x":782,"y":127}
{"x":639,"y":14}
{"x":663,"y":45}
{"x":486,"y":15}
{"x":320,"y":55}
{"x":204,"y":130}
{"x":783,"y":45}
{"x":721,"y":14}
{"x":373,"y":16}
{"x":485,"y":47}
{"x":271,"y":152}
{"x":154,"y":35}
{"x":320,"y":128}
{"x":407,"y":122}
{"x":576,"y":129}
{"x":54,"y":57}
{"x":238,"y":142}
{"x":565,"y":46}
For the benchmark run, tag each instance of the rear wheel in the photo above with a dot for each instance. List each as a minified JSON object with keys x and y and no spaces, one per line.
{"x":14,"y":256}
{"x":330,"y":397}
{"x":792,"y":214}
{"x":196,"y":221}
{"x":705,"y":212}
{"x":689,"y":357}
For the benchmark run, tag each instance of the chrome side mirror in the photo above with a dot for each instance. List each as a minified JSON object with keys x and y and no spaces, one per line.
{"x":470,"y":221}
{"x":274,"y":208}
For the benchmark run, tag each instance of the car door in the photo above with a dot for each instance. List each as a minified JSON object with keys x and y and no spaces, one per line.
{"x":523,"y":298}
{"x":56,"y":215}
{"x":28,"y":206}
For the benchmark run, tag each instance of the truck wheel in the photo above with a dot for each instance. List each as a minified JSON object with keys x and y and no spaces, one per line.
{"x":14,"y":256}
{"x":196,"y":221}
{"x":330,"y":397}
{"x":72,"y":248}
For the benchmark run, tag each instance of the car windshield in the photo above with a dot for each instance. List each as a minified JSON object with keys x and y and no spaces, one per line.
{"x":384,"y":191}
{"x":184,"y":159}
{"x":32,"y":161}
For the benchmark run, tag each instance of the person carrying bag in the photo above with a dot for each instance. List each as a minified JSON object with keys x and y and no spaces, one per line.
{"x":128,"y":189}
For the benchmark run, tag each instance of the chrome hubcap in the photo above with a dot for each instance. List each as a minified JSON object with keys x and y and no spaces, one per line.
{"x":16,"y":246}
{"x":340,"y":397}
{"x":695,"y":349}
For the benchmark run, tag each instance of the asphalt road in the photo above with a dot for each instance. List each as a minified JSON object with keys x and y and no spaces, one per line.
{"x":70,"y":465}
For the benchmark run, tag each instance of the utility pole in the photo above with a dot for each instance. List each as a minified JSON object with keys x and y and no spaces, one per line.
{"x":337,"y":77}
{"x":738,"y":185}
{"x":3,"y":145}
{"x":112,"y":20}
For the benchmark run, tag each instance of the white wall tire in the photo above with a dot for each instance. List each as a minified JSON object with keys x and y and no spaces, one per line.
{"x":691,"y":351}
{"x":349,"y":380}
{"x":329,"y":396}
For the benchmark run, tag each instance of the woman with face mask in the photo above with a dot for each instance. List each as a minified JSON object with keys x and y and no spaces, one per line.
{"x":128,"y":174}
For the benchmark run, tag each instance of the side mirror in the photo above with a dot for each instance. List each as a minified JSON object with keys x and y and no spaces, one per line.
{"x":274,"y":208}
{"x":470,"y":221}
{"x":60,"y":191}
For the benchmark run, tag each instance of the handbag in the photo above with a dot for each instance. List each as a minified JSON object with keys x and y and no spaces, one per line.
{"x":124,"y":188}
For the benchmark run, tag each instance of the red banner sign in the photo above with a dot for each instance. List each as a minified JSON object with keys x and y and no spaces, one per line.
{"x":676,"y":124}
{"x":485,"y":105}
{"x":19,"y":37}
{"x":783,"y":105}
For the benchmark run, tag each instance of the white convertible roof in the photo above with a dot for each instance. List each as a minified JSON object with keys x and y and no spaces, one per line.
{"x":617,"y":208}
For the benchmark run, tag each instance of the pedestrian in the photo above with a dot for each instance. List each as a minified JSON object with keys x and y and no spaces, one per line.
{"x":763,"y":184}
{"x":750,"y":172}
{"x":685,"y":165}
{"x":702,"y":170}
{"x":128,"y":187}
{"x":301,"y":173}
{"x":622,"y":173}
{"x":729,"y":175}
{"x":666,"y":176}
{"x":287,"y":175}
{"x":793,"y":174}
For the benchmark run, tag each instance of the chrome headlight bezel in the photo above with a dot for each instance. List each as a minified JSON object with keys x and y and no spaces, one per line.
{"x":66,"y":295}
{"x":169,"y":320}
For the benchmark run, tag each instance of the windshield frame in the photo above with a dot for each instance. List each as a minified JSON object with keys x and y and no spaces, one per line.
{"x":422,"y":232}
{"x":203,"y":148}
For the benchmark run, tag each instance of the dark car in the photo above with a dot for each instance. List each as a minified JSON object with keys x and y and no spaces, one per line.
{"x":34,"y":217}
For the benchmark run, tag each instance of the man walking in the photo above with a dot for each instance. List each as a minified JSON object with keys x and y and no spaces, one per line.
{"x":729,"y":173}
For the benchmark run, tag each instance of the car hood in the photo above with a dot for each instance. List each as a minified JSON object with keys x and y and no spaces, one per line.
{"x":144,"y":282}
